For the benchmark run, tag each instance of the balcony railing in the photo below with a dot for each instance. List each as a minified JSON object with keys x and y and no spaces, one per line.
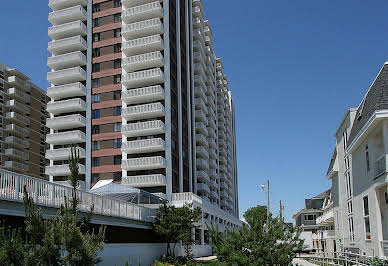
{"x":67,"y":15}
{"x":143,"y":78}
{"x":144,"y":146}
{"x":142,"y":29}
{"x":145,"y":181}
{"x":147,"y":94}
{"x":144,"y":163}
{"x":132,"y":3}
{"x":203,"y":176}
{"x":63,"y":170}
{"x":18,"y":94}
{"x":201,"y":128}
{"x":201,"y":187}
{"x":67,"y":45}
{"x":16,"y":166}
{"x":64,"y":153}
{"x":142,"y":12}
{"x":143,"y":128}
{"x":145,"y":111}
{"x":70,"y":75}
{"x":67,"y":30}
{"x":143,"y":45}
{"x":200,"y":116}
{"x":20,"y":83}
{"x":61,"y":4}
{"x":69,"y":60}
{"x":327,"y":218}
{"x":381,"y":165}
{"x":17,"y":153}
{"x":202,"y":152}
{"x":17,"y":129}
{"x":201,"y":139}
{"x":17,"y":118}
{"x":17,"y":141}
{"x":15,"y":105}
{"x":69,"y":137}
{"x":143,"y":61}
{"x":66,"y":91}
{"x":66,"y":106}
{"x":66,"y":122}
{"x":202,"y":164}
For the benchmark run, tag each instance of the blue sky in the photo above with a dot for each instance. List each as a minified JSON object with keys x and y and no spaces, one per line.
{"x":294,"y":67}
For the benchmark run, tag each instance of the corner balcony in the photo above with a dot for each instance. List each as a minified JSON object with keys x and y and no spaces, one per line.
{"x":17,"y":142}
{"x":69,"y":137}
{"x":18,"y":94}
{"x":147,"y":94}
{"x":64,"y":153}
{"x":67,"y":15}
{"x":201,"y":187}
{"x":144,"y":163}
{"x":69,"y":60}
{"x":143,"y":61}
{"x":66,"y":122}
{"x":201,"y":140}
{"x":142,"y":29}
{"x":16,"y":166}
{"x":62,"y":170}
{"x":62,"y":4}
{"x":66,"y":106}
{"x":144,"y":181}
{"x":143,"y":128}
{"x":143,"y":45}
{"x":68,"y":45}
{"x":17,"y":106}
{"x":203,"y":176}
{"x":13,"y":128}
{"x":143,"y":12}
{"x":18,"y":82}
{"x":143,"y":146}
{"x":17,"y":118}
{"x":70,"y":75}
{"x":202,"y":152}
{"x":212,"y":143}
{"x":200,"y":116}
{"x":143,"y":78}
{"x":145,"y":111}
{"x":66,"y":91}
{"x":22,"y":155}
{"x":67,"y":30}
{"x":202,"y":164}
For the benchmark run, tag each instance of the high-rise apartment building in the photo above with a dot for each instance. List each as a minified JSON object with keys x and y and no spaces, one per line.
{"x":136,"y":86}
{"x":23,"y":117}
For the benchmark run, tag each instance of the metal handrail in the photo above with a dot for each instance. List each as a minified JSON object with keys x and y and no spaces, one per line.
{"x":341,"y":258}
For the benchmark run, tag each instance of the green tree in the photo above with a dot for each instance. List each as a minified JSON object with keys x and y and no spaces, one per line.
{"x":257,"y":243}
{"x":175,"y":225}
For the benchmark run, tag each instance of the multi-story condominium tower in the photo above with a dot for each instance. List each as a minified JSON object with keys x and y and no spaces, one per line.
{"x":23,"y":117}
{"x":137,"y":87}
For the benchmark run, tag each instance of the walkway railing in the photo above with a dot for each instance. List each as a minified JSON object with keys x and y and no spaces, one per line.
{"x":342,"y":258}
{"x":53,"y":195}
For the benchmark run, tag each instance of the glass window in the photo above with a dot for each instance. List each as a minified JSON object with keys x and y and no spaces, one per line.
{"x":95,"y":83}
{"x":117,"y":176}
{"x":366,"y":205}
{"x":95,"y":178}
{"x":117,"y":63}
{"x":117,"y":48}
{"x":95,"y":113}
{"x":96,"y":37}
{"x":117,"y":95}
{"x":96,"y":8}
{"x":116,"y":79}
{"x":367,"y":228}
{"x":117,"y":127}
{"x":117,"y":33}
{"x":117,"y":143}
{"x":367,"y":159}
{"x":96,"y":67}
{"x":117,"y":159}
{"x":96,"y":161}
{"x":96,"y":129}
{"x":96,"y":52}
{"x":117,"y":3}
{"x":96,"y":22}
{"x":95,"y":145}
{"x":95,"y":98}
{"x":117,"y":110}
{"x":117,"y":17}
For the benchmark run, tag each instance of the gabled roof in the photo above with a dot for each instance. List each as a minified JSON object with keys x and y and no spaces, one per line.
{"x":332,"y":161}
{"x":376,"y":99}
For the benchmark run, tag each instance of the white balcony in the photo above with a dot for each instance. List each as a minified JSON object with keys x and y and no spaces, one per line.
{"x":200,"y":116}
{"x":69,"y":137}
{"x":66,"y":122}
{"x":62,"y":4}
{"x":18,"y":94}
{"x":69,"y":60}
{"x":202,"y":164}
{"x":63,"y":170}
{"x":18,"y":82}
{"x":17,"y":130}
{"x":132,"y":3}
{"x":16,"y":166}
{"x":145,"y":181}
{"x":143,"y":61}
{"x":323,"y":234}
{"x":201,"y":128}
{"x":144,"y":163}
{"x":70,"y":75}
{"x":201,"y":187}
{"x":200,"y":104}
{"x":66,"y":91}
{"x":143,"y":78}
{"x":17,"y":142}
{"x":64,"y":153}
{"x":143,"y":146}
{"x":143,"y":128}
{"x":68,"y":45}
{"x":142,"y":29}
{"x":142,"y":95}
{"x":145,"y":111}
{"x":142,"y":12}
{"x":17,"y":154}
{"x":143,"y":45}
{"x":202,"y":152}
{"x":203,"y":176}
{"x":66,"y":106}
{"x":17,"y":106}
{"x":67,"y":15}
{"x":17,"y":118}
{"x":327,"y":218}
{"x":201,"y":139}
{"x":67,"y":30}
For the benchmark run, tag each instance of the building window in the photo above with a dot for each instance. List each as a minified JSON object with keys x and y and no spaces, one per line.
{"x":96,"y":8}
{"x":117,"y":48}
{"x":95,"y":98}
{"x":96,"y":67}
{"x":95,"y":145}
{"x":117,"y":159}
{"x":95,"y":178}
{"x":116,"y":79}
{"x":117,"y":127}
{"x":96,"y":161}
{"x":96,"y":22}
{"x":95,"y":83}
{"x":386,"y":197}
{"x":96,"y":129}
{"x":117,"y":63}
{"x":367,"y":158}
{"x":365,"y":201}
{"x":117,"y":95}
{"x":117,"y":143}
{"x":117,"y":17}
{"x":96,"y":37}
{"x":309,"y":217}
{"x":96,"y":52}
{"x":117,"y":110}
{"x":348,"y":184}
{"x":351,"y":229}
{"x":117,"y":3}
{"x":117,"y":176}
{"x":95,"y":113}
{"x":117,"y":33}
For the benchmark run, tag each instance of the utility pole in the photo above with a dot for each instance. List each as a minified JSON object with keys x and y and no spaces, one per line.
{"x":267,"y":204}
{"x":281,"y":212}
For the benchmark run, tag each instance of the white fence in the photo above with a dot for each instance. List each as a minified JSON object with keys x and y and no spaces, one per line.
{"x":53,"y":195}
